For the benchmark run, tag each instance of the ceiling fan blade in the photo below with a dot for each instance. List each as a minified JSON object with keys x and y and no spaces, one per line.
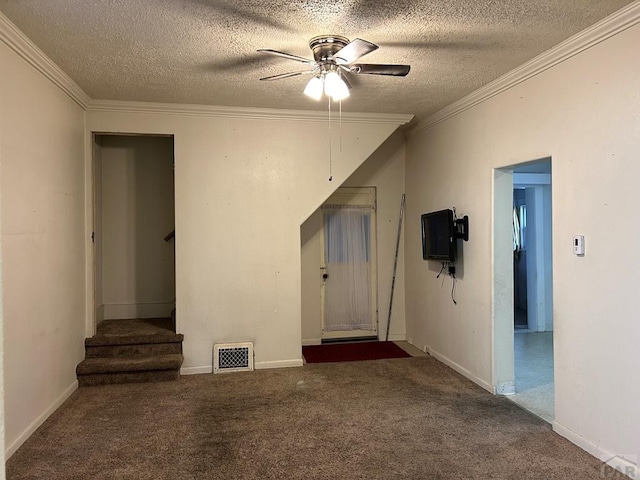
{"x":286,"y":55}
{"x":375,"y":69}
{"x":286,"y":75}
{"x":354,"y":50}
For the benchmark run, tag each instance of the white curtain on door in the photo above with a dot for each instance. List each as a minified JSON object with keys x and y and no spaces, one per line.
{"x":348,"y":265}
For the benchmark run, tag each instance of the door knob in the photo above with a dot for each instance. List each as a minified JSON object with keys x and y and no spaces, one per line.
{"x":325,"y":275}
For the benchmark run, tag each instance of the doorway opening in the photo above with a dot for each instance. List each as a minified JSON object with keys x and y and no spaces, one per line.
{"x":134,"y":228}
{"x":348,"y":265}
{"x":523,"y":311}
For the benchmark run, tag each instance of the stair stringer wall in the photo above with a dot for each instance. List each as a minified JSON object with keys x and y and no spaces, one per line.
{"x":244,"y":184}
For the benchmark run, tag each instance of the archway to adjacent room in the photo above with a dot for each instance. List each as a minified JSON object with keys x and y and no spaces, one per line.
{"x":523,"y":303}
{"x":133,"y":227}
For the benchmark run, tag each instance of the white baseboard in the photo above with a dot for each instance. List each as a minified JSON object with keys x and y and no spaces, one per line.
{"x":13,"y":446}
{"x":196,"y":370}
{"x":258,"y":366}
{"x":632,"y":470}
{"x":137,"y":310}
{"x":311,"y":341}
{"x":278,"y":364}
{"x":458,"y":368}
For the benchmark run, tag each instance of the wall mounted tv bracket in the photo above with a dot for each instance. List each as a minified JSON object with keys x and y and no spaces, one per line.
{"x":462,"y":228}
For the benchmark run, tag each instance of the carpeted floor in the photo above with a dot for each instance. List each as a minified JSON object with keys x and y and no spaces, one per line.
{"x":410,"y":418}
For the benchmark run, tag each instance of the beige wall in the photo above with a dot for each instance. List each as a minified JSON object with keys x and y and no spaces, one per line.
{"x":137,"y":200}
{"x":243,"y":188}
{"x":385,"y":171}
{"x":2,"y":391}
{"x":43,"y":241}
{"x":583,"y":113}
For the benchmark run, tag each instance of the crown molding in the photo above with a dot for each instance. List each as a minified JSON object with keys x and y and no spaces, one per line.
{"x":28,"y":51}
{"x":117,"y":106}
{"x":597,"y":33}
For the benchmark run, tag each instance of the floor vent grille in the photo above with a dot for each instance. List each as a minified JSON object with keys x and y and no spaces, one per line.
{"x":232,"y":357}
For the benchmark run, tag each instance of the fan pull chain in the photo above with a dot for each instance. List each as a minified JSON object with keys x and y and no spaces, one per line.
{"x":340,"y":126}
{"x":330,"y":159}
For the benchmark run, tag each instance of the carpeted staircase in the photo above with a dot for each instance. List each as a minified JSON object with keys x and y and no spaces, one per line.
{"x":131,"y":351}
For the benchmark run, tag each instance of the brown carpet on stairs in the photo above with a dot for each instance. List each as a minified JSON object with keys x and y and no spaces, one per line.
{"x":135,"y":326}
{"x":410,"y":418}
{"x":129,"y":363}
{"x":132,"y":350}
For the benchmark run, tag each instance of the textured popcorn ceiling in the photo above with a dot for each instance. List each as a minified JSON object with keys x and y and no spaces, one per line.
{"x":204,"y":51}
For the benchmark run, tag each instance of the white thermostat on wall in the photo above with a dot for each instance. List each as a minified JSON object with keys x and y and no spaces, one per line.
{"x":578,"y":245}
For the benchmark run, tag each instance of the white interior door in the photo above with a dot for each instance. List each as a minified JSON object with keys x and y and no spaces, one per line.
{"x":349,"y":304}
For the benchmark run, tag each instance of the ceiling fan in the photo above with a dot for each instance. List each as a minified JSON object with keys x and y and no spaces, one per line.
{"x":334,"y":59}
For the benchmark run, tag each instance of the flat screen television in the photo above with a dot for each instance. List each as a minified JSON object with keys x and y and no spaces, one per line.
{"x":439,"y":237}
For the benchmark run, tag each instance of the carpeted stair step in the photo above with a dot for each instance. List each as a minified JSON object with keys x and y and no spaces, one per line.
{"x":138,"y":349}
{"x":106,"y":370}
{"x":131,"y":350}
{"x":129,"y":364}
{"x":109,"y":340}
{"x":116,"y":345}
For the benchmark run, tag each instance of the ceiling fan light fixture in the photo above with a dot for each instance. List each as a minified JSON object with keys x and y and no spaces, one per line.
{"x":314,"y":88}
{"x":335,"y":87}
{"x":333,"y":62}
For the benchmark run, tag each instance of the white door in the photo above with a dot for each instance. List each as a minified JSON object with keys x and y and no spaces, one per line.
{"x":348,"y":264}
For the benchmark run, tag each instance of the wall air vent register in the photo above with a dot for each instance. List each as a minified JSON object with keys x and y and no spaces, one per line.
{"x":232,"y":357}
